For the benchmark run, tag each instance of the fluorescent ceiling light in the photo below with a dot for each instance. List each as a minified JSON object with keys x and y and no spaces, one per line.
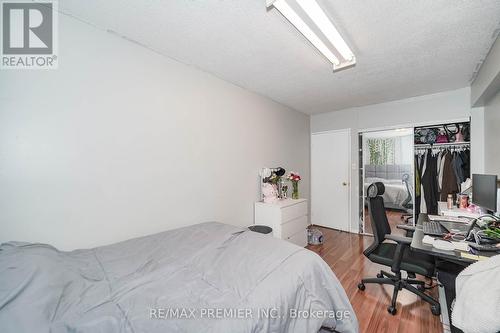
{"x":319,"y":17}
{"x":325,"y":26}
{"x":295,"y":19}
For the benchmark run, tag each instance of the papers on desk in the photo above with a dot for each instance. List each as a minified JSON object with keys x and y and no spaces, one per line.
{"x":449,"y":218}
{"x":472,"y":256}
{"x":428,"y":240}
{"x":461,"y":246}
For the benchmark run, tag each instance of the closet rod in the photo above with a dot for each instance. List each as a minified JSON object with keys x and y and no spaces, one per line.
{"x":436,"y":145}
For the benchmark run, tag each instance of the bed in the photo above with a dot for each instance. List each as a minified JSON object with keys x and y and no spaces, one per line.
{"x":395,"y":193}
{"x":209,"y":277}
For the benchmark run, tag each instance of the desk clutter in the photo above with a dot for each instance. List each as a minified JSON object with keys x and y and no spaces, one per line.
{"x":445,"y":245}
{"x":463,"y":234}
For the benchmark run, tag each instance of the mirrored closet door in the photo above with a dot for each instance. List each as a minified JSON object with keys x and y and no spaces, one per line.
{"x":387,"y":157}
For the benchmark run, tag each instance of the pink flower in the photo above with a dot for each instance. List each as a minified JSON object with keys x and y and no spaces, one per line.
{"x":294,"y":177}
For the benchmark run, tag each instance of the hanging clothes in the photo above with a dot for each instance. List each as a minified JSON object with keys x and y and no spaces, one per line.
{"x":423,"y":166}
{"x":449,"y":180}
{"x":441,"y":166}
{"x":429,"y":183}
{"x":417,"y":176}
{"x":418,"y":185}
{"x":458,"y":167}
{"x":466,"y":162}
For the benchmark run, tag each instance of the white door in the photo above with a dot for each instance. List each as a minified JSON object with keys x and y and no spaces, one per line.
{"x":330,"y":179}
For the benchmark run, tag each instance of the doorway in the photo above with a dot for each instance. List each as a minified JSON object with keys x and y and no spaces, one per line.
{"x":330,"y":179}
{"x":387,"y":157}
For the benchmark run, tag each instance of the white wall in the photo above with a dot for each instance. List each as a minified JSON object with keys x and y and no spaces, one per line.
{"x":485,"y":91}
{"x":428,"y":109}
{"x":121,"y":142}
{"x":492,"y":136}
{"x":487,"y":82}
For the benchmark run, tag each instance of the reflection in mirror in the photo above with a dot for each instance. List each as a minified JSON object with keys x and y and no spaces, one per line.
{"x":387,"y":157}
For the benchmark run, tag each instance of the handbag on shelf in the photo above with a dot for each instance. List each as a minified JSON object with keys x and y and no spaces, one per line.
{"x":442,"y":137}
{"x":431,"y":136}
{"x":452,"y":134}
{"x":459,"y":137}
{"x":420,"y":135}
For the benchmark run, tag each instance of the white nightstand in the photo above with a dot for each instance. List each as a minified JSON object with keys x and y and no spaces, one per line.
{"x":288,"y":218}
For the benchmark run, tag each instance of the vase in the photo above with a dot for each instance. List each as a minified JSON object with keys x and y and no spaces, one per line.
{"x":295,"y":192}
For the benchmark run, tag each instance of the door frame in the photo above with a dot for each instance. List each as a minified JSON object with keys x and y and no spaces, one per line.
{"x":349,"y":173}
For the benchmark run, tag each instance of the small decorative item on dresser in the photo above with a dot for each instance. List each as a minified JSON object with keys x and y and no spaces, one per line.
{"x":284,"y":191}
{"x":294,"y":177}
{"x":271,"y":176}
{"x":269,"y":193}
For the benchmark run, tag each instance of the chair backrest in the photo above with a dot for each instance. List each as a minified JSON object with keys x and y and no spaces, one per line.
{"x":378,"y":218}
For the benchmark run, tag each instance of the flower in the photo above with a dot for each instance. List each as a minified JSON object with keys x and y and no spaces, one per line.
{"x":293,"y":177}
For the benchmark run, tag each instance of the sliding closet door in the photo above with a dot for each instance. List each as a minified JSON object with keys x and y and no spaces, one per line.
{"x":388,"y":158}
{"x":330,"y":179}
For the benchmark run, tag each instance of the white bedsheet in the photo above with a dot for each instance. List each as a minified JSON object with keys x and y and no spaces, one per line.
{"x":395,"y":190}
{"x":201,"y":268}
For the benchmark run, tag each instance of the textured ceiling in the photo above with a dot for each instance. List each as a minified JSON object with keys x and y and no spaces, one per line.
{"x":403,"y":48}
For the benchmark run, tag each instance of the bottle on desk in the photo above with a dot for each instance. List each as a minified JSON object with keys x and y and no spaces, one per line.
{"x":449,"y":201}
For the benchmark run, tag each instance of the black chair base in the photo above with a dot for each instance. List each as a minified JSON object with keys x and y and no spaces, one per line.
{"x":400,"y":283}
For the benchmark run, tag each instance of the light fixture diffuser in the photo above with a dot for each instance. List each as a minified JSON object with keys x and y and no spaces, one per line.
{"x":323,"y":25}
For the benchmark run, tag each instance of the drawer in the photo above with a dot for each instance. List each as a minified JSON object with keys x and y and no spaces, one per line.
{"x":294,"y":211}
{"x":299,"y":238}
{"x":294,"y":226}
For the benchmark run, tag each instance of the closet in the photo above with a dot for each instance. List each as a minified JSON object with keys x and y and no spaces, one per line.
{"x":442,"y":163}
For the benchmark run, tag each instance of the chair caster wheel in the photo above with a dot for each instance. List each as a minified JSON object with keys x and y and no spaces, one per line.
{"x":436,"y":310}
{"x":392,"y":310}
{"x":380,"y":275}
{"x":361,"y":286}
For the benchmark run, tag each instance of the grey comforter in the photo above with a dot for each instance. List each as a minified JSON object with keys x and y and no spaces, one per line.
{"x":209,"y":277}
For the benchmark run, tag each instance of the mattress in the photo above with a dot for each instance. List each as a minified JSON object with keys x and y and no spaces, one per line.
{"x":209,"y":277}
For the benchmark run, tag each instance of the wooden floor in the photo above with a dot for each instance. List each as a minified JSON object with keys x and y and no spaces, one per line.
{"x":344,"y":254}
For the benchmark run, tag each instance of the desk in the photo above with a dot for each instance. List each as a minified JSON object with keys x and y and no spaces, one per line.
{"x":448,"y":266}
{"x":418,"y":246}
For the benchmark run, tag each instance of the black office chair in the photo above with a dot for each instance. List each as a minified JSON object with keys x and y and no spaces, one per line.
{"x":396,"y":255}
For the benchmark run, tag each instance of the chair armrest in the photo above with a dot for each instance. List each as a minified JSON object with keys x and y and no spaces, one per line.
{"x":400,"y":249}
{"x":405,"y":227}
{"x":399,"y":239}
